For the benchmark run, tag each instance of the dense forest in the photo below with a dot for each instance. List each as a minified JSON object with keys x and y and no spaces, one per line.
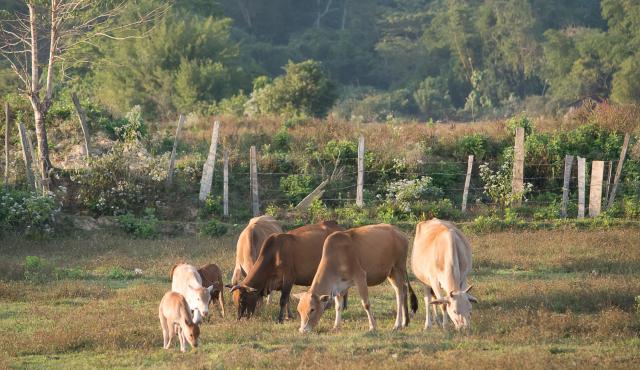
{"x":374,"y":59}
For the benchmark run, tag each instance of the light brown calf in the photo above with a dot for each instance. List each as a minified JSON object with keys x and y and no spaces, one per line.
{"x":212,"y":276}
{"x":175,"y":318}
{"x":363,"y":256}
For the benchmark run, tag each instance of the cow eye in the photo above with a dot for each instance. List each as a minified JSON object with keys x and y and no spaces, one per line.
{"x":311,"y":310}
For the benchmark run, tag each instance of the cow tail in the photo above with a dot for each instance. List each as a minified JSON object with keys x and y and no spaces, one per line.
{"x":344,"y":300}
{"x":414,"y":298}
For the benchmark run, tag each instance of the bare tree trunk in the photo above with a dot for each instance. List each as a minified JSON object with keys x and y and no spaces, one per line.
{"x":7,"y":131}
{"x":82,"y":116}
{"x":44,"y":164}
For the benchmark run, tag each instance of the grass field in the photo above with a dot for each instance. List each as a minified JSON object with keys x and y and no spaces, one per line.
{"x":548,"y":299}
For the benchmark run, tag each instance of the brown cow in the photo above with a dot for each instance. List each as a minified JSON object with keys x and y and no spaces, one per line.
{"x":249,"y":243}
{"x":212,"y":276}
{"x":441,"y":258}
{"x":363,"y":256}
{"x":284,"y":260}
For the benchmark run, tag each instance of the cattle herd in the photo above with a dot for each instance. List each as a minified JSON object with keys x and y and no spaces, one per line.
{"x":329,"y":260}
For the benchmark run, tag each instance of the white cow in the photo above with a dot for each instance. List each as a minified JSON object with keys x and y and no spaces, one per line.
{"x":441,"y":259}
{"x":186,"y":280}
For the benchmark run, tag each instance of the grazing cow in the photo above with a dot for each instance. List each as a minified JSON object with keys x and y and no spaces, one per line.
{"x":212,"y":276}
{"x":363,"y":256}
{"x":249,"y":243}
{"x":284,"y":260}
{"x":441,"y":259}
{"x":175,"y":318}
{"x":186,"y":280}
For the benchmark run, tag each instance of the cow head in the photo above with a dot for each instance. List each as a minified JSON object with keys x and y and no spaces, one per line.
{"x":458,"y":305}
{"x":198,"y":300}
{"x":311,"y":307}
{"x":192,"y":334}
{"x":245,"y":299}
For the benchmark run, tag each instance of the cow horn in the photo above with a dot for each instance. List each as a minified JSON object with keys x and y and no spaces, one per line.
{"x":250,"y":289}
{"x":468,"y":289}
{"x":235,"y":287}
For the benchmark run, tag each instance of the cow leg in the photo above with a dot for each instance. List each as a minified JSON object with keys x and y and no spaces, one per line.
{"x":221,"y":299}
{"x":284,"y":300}
{"x":339,"y":306}
{"x":183,"y":340}
{"x":428,"y":321}
{"x":397,"y":287}
{"x":237,"y":274}
{"x":165,"y":332}
{"x":361,"y":283}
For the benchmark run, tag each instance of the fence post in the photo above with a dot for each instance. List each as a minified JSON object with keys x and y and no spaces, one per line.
{"x":207,"y":170}
{"x":581,"y":186}
{"x":82,"y":116}
{"x":517,"y":182}
{"x":568,"y":163}
{"x":255,"y":202}
{"x":225,"y":184}
{"x":595,"y":188}
{"x":608,"y":187}
{"x":172,"y":159}
{"x":467,"y":181}
{"x":360,"y":183}
{"x":616,"y":181}
{"x":7,"y":131}
{"x":26,"y":155}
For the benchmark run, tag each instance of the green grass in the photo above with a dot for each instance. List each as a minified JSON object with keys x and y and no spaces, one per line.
{"x":548,"y":299}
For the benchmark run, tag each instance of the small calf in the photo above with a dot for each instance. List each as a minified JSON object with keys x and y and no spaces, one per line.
{"x":212,"y":276}
{"x":175,"y":318}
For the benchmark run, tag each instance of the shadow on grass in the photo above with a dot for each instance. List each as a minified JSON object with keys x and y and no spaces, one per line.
{"x":579,"y":300}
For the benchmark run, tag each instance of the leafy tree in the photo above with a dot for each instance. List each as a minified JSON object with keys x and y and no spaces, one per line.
{"x":304,"y":89}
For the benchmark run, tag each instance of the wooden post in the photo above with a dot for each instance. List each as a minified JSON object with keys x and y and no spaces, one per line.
{"x":608,"y":185}
{"x":7,"y":136}
{"x":517,"y":182}
{"x":207,"y":169}
{"x":595,"y":188}
{"x":568,"y":163}
{"x":616,"y":181}
{"x":255,"y":202}
{"x":360,"y":183}
{"x":172,"y":159}
{"x":581,"y":186}
{"x":82,"y":116}
{"x":467,"y":181}
{"x":225,"y":184}
{"x":26,"y":155}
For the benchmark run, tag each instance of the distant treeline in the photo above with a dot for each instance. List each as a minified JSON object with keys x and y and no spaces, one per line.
{"x":430,"y":59}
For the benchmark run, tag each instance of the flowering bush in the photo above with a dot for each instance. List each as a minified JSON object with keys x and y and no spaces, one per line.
{"x":405,"y":192}
{"x":27,"y":212}
{"x":497,"y":184}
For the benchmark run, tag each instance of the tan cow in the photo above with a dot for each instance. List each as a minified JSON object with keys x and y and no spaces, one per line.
{"x":186,"y":280}
{"x":363,"y":256}
{"x":175,"y":318}
{"x":249,"y":243}
{"x":441,"y":259}
{"x":212,"y":276}
{"x":284,"y":260}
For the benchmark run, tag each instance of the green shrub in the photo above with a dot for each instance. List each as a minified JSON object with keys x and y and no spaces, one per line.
{"x":386,"y":212}
{"x":130,"y":128}
{"x":118,"y":273}
{"x":212,"y":206}
{"x":213,"y":228}
{"x":318,"y":211}
{"x":521,"y":121}
{"x":351,"y":215}
{"x":483,"y":224}
{"x":548,"y":212}
{"x":30,"y":213}
{"x":476,"y":144}
{"x":281,"y":140}
{"x":37,"y":270}
{"x":404,"y":193}
{"x":442,"y":208}
{"x":497,"y":184}
{"x":296,"y":187}
{"x":141,"y":227}
{"x":631,"y":207}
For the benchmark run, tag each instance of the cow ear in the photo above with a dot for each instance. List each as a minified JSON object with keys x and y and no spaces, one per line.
{"x":325,"y":298}
{"x":211,"y":288}
{"x":443,"y":300}
{"x":228,"y":286}
{"x":472,"y":298}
